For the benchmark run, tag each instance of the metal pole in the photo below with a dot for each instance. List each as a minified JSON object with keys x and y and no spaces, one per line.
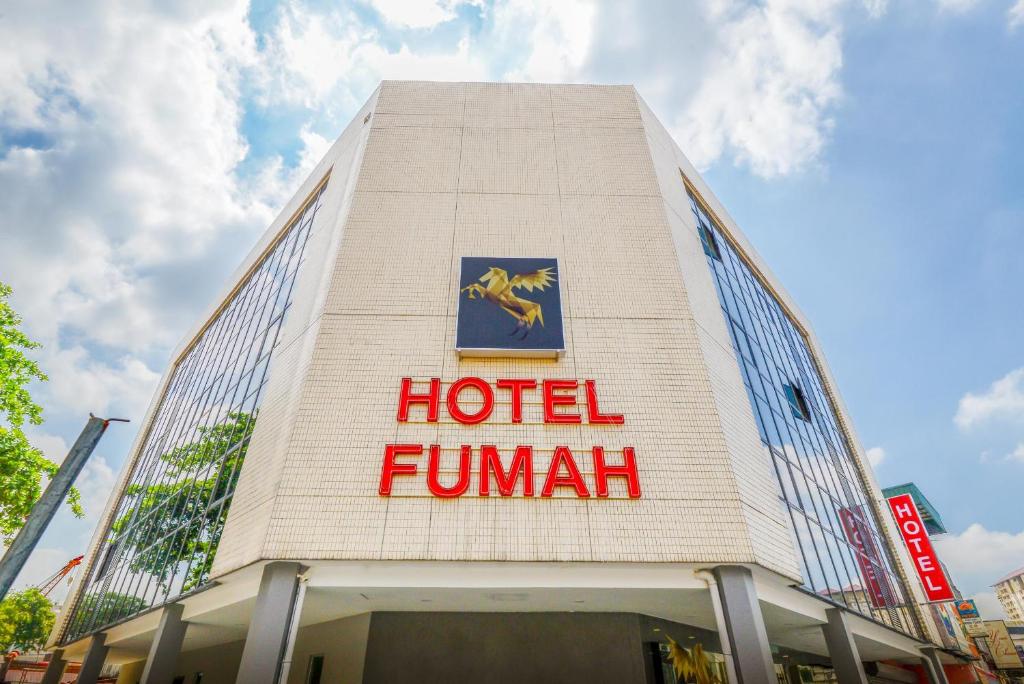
{"x":44,"y":509}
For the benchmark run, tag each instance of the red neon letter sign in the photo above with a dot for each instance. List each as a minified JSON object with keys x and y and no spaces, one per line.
{"x":516,"y":387}
{"x":453,"y":401}
{"x":571,"y":479}
{"x":551,"y":400}
{"x":628,"y":470}
{"x":434,"y":466}
{"x":391,"y":468}
{"x":431,"y":399}
{"x":522,"y":464}
{"x":594,"y":415}
{"x":926,"y":563}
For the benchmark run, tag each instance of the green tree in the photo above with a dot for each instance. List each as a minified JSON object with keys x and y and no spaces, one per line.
{"x":26,"y":619}
{"x":22,"y":466}
{"x":182,"y":516}
{"x":101,"y":609}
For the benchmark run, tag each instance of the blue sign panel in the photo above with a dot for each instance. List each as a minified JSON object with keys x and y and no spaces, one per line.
{"x":967,"y":608}
{"x":509,"y":306}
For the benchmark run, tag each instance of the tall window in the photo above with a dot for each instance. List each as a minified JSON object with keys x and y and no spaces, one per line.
{"x":843,"y":556}
{"x":169,"y":520}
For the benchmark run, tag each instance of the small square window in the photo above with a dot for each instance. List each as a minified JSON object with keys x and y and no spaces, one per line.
{"x":315,"y":669}
{"x":797,"y":402}
{"x":708,"y":240}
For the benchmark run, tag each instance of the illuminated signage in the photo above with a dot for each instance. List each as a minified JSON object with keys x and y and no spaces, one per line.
{"x":1000,"y":645}
{"x":470,"y":401}
{"x":971,"y":618}
{"x":926,"y":562}
{"x":967,"y":608}
{"x":858,"y":533}
{"x":509,"y":307}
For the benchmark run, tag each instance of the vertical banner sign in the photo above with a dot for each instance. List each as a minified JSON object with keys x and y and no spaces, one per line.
{"x":926,"y":562}
{"x":857,"y":533}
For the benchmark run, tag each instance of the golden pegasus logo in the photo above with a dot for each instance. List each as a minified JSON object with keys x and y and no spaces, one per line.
{"x":498,"y":289}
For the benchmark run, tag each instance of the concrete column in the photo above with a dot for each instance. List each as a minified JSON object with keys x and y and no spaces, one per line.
{"x":745,"y":625}
{"x":842,"y":649}
{"x":55,"y":669}
{"x":268,"y":628}
{"x":93,"y":662}
{"x":163,"y":652}
{"x":933,"y":666}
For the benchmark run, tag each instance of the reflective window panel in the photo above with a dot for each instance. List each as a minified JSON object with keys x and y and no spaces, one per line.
{"x":169,"y":519}
{"x":843,"y":557}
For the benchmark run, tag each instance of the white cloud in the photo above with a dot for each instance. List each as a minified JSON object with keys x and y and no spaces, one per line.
{"x":53,"y":447}
{"x":308,"y":54}
{"x":1017,"y":454}
{"x":557,"y":35}
{"x":767,"y":91}
{"x":129,"y":212}
{"x":876,"y":455}
{"x":460,"y":64}
{"x":83,"y":384}
{"x":414,"y":13}
{"x":876,"y":8}
{"x":988,"y":605}
{"x":1015,"y":15}
{"x":95,"y":484}
{"x":329,"y":62}
{"x":977,"y":557}
{"x":1004,"y":399}
{"x":754,"y":83}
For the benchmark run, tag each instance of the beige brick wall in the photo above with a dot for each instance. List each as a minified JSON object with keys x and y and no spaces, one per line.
{"x":452,"y":170}
{"x":764,"y":514}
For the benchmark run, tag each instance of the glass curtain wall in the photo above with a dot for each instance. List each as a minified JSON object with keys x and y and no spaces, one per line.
{"x":169,"y":519}
{"x":843,"y":556}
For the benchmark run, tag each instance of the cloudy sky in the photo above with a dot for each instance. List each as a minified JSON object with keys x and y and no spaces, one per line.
{"x":872,"y":151}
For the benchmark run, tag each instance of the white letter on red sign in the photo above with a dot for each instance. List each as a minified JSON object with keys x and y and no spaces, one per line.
{"x":926,"y":563}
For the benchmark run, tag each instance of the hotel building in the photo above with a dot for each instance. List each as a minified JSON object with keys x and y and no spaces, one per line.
{"x":384,"y":454}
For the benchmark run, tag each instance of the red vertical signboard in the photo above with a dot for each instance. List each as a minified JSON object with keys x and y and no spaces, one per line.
{"x":859,"y":535}
{"x":933,"y":579}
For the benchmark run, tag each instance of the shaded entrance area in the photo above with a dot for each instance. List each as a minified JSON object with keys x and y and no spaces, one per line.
{"x":441,"y":621}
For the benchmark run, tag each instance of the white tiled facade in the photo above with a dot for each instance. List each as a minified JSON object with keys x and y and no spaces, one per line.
{"x":425,"y":174}
{"x":452,"y":170}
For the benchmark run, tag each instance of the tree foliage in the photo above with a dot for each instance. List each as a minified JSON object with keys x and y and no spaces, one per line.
{"x":103,"y":608}
{"x":22,"y":466}
{"x":178,"y":521}
{"x":26,"y":619}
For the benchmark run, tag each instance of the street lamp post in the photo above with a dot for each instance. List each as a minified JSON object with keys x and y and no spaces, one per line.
{"x":44,"y":509}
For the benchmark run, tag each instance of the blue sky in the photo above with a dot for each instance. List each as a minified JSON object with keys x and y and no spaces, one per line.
{"x":872,"y":152}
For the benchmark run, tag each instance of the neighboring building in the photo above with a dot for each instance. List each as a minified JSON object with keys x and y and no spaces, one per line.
{"x":1010,"y":592}
{"x":504,"y":394}
{"x":1015,"y":629}
{"x":929,"y":514}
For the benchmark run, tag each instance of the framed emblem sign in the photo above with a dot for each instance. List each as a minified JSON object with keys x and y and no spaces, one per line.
{"x":509,"y":306}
